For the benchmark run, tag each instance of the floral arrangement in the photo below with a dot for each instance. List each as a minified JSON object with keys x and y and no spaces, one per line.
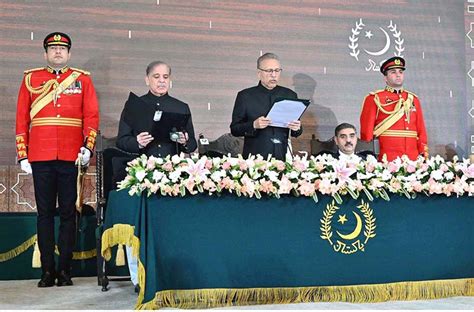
{"x":301,"y":176}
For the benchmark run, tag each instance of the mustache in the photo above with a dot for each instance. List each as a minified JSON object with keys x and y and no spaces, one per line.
{"x":348,"y":144}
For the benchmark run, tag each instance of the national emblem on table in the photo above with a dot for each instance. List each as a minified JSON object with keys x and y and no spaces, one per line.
{"x":354,"y":227}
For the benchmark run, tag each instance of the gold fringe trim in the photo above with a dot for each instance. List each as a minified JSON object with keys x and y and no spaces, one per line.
{"x":211,"y":298}
{"x":76,"y":255}
{"x":79,"y":255}
{"x":5,"y":256}
{"x":119,"y":234}
{"x":122,"y":234}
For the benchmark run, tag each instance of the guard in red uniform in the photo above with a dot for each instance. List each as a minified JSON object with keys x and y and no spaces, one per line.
{"x":56,"y":122}
{"x":394,"y":116}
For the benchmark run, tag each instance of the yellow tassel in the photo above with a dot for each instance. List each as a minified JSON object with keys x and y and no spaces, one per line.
{"x":120,"y":257}
{"x":119,"y":234}
{"x":36,"y":261}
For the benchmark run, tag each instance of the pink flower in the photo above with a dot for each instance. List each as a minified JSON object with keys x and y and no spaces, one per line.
{"x":285,"y":186}
{"x":243,"y":165}
{"x":226,"y":165}
{"x":248,"y":186}
{"x":208,"y":164}
{"x":444,"y":167}
{"x":411,"y":168}
{"x":189,"y":184}
{"x":417,"y":186}
{"x":167,"y":166}
{"x":267,"y":186}
{"x":299,"y":165}
{"x":393,"y":166}
{"x":343,"y":173}
{"x":306,"y":188}
{"x":435,"y":187}
{"x":469,"y":171}
{"x":226,"y":183}
{"x":396,"y":186}
{"x":209,"y":185}
{"x":319,"y":166}
{"x":279,"y":165}
{"x":150,"y":164}
{"x":370,"y":167}
{"x":325,"y":186}
{"x":197,"y":170}
{"x":448,"y":189}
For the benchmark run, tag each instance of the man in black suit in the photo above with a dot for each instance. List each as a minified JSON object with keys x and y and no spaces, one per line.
{"x":157,"y":79}
{"x":345,"y":138}
{"x":253,"y":104}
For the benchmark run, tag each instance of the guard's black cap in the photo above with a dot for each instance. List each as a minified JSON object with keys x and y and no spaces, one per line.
{"x":393,"y":62}
{"x":57,"y":38}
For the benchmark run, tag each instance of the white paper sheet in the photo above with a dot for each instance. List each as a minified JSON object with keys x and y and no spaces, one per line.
{"x":284,"y":112}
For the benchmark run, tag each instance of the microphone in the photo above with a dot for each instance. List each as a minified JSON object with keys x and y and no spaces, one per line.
{"x":174,"y":134}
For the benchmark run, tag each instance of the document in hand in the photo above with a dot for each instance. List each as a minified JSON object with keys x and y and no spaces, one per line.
{"x":284,"y":111}
{"x":139,"y":115}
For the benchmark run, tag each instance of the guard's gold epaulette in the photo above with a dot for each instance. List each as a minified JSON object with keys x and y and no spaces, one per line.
{"x":411,"y":93}
{"x":32,"y":70}
{"x":84,"y":72}
{"x":376,"y":91}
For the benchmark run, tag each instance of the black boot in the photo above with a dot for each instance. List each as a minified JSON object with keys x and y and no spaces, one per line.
{"x":47,"y":279}
{"x":64,"y":279}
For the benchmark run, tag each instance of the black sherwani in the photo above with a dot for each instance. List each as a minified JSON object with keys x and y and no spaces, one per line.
{"x":252,"y":103}
{"x":127,"y":137}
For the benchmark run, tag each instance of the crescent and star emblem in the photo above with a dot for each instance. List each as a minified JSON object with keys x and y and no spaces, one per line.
{"x":356,"y":231}
{"x":384,"y":49}
{"x":393,"y":44}
{"x":354,"y":241}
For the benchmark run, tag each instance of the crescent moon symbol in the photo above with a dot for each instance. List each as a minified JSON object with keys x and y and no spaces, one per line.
{"x":356,"y":231}
{"x":385,"y":49}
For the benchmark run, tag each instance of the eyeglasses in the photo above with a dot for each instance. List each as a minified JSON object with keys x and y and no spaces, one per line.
{"x":271,"y":71}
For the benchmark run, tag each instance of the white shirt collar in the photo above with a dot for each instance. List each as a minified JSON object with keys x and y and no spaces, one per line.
{"x":353,"y":157}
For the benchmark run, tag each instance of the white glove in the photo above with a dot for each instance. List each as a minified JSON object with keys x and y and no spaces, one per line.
{"x":25,"y":166}
{"x":86,"y":156}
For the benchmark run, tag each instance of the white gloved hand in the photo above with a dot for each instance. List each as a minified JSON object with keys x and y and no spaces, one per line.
{"x":25,"y":166}
{"x":86,"y":156}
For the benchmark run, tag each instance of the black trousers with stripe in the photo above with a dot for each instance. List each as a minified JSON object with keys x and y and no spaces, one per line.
{"x":55,"y":181}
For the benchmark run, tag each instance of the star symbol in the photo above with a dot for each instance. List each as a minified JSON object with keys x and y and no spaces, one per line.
{"x":368,"y":34}
{"x":342,"y":219}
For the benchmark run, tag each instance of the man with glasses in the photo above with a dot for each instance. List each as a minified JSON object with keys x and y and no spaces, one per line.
{"x":57,"y":119}
{"x":253,"y":104}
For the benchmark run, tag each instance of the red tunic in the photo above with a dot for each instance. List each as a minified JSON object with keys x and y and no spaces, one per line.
{"x":60,"y":129}
{"x":406,"y":136}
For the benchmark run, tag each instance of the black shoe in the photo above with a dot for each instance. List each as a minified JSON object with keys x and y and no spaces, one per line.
{"x":64,"y":279}
{"x":137,"y":288}
{"x":47,"y":279}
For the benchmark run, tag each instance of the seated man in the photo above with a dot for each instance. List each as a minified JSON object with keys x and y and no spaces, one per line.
{"x":345,"y":138}
{"x":157,"y":79}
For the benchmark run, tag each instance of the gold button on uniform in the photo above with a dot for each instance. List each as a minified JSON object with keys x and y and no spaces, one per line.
{"x":58,"y":115}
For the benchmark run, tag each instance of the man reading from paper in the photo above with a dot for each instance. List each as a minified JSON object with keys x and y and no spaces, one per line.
{"x":251,"y":107}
